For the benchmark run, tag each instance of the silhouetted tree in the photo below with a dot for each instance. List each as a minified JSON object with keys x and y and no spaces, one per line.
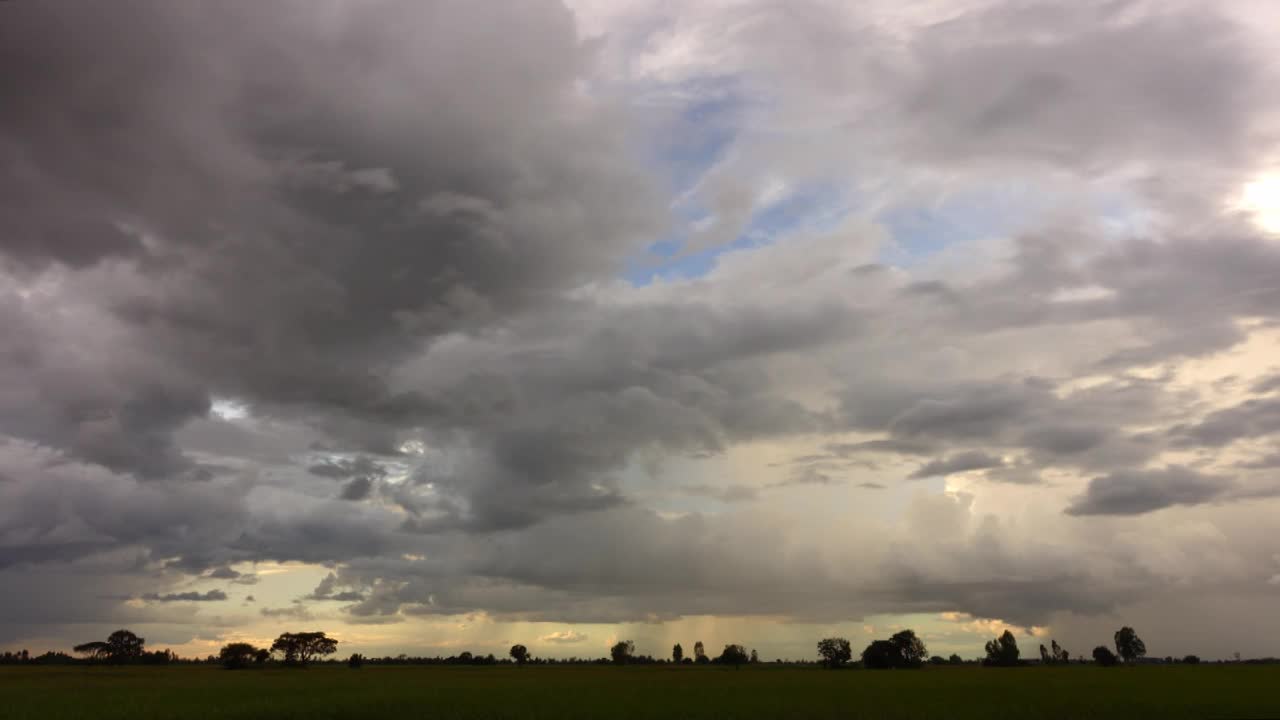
{"x":677,"y":654}
{"x":910,"y":648}
{"x":834,"y":652}
{"x":734,"y":655}
{"x":301,"y":648}
{"x":235,"y":656}
{"x":881,"y":655}
{"x":622,"y":651}
{"x":903,"y":650}
{"x":1103,"y":656}
{"x":700,"y":654}
{"x":1044,"y":655}
{"x":1191,"y":659}
{"x":95,"y":650}
{"x":261,"y":656}
{"x":1003,"y":651}
{"x":1128,"y":645}
{"x":356,"y":661}
{"x":120,"y":646}
{"x":520,"y":654}
{"x":955,"y":659}
{"x":937,"y":660}
{"x":754,"y":657}
{"x":124,"y":645}
{"x":1059,"y":654}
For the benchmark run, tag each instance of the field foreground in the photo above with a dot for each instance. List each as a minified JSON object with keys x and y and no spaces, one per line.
{"x":192,"y":693}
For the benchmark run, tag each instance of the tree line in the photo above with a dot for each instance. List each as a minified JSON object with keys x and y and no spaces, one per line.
{"x":902,"y":650}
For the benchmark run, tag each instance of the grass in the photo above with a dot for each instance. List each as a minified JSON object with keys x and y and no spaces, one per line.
{"x":194,"y":693}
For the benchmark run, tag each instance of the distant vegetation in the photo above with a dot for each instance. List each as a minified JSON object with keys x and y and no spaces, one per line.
{"x":903,"y":650}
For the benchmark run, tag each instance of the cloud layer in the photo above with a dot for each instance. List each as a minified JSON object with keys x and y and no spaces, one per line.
{"x":939,"y":310}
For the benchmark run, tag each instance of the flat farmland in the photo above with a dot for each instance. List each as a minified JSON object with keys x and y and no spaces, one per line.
{"x":202,"y":692}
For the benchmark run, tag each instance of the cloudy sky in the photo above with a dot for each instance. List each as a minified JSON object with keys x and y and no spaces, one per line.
{"x":449,"y":325}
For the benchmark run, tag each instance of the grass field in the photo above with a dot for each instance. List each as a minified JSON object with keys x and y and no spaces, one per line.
{"x":191,"y":693}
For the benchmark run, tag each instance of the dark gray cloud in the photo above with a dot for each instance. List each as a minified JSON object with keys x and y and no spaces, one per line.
{"x":341,"y":468}
{"x":291,"y":612}
{"x":353,"y":219}
{"x":1262,"y":462}
{"x":1255,"y":417}
{"x":357,"y":489}
{"x":1143,"y":491}
{"x":189,"y":596}
{"x":960,"y":462}
{"x":1267,"y":384}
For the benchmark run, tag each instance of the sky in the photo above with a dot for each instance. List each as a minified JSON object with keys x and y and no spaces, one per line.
{"x":441,"y":325}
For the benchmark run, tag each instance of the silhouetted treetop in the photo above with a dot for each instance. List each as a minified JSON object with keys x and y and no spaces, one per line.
{"x":1103,"y":656}
{"x":120,"y":646}
{"x":1128,"y":645}
{"x":1003,"y":651}
{"x":520,"y":654}
{"x":622,"y":651}
{"x":834,"y":652}
{"x":235,"y":656}
{"x":301,"y":648}
{"x":733,"y":655}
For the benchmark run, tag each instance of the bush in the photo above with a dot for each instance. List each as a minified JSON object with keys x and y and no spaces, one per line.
{"x":237,"y":656}
{"x":1104,"y":657}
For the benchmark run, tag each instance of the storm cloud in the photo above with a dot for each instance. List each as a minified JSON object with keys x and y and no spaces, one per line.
{"x":565,"y":314}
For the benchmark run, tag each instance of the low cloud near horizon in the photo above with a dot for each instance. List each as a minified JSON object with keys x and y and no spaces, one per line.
{"x":452,"y":325}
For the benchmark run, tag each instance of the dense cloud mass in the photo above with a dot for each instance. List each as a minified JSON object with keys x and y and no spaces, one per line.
{"x":609,"y":313}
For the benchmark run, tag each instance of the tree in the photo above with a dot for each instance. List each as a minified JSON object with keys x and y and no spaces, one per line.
{"x":677,"y":654}
{"x":1128,"y":645}
{"x":903,"y":650}
{"x":1059,"y":654}
{"x":881,"y":655}
{"x":1044,"y":655}
{"x":834,"y":652}
{"x":261,"y":656}
{"x":96,"y":650}
{"x":754,"y":657}
{"x":622,"y":651}
{"x":520,"y":654}
{"x":1191,"y":659}
{"x":734,"y":655}
{"x":1103,"y":656}
{"x":1003,"y":651}
{"x":700,"y":654}
{"x":955,"y":659}
{"x":124,"y":645}
{"x":301,"y":648}
{"x":236,"y":656}
{"x":120,"y":646}
{"x":911,"y":649}
{"x":356,"y":661}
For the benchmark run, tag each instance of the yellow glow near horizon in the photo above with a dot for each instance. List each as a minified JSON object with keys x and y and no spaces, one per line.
{"x":1261,"y":199}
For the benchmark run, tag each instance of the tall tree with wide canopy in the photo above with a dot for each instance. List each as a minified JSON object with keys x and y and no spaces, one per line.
{"x":301,"y":648}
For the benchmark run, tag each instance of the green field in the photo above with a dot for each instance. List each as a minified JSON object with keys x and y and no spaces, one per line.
{"x":106,"y":693}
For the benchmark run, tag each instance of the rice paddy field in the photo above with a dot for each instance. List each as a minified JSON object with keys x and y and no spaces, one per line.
{"x":669,"y":693}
